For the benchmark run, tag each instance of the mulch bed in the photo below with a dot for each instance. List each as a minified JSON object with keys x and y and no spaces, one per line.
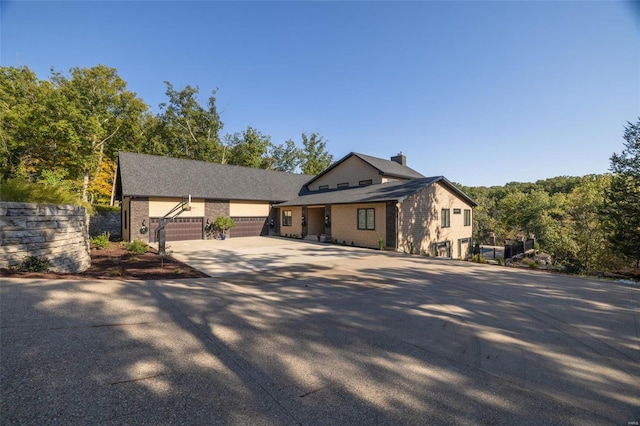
{"x":114,"y":262}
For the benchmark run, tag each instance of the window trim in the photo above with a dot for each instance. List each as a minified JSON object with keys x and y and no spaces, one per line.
{"x":456,"y":211}
{"x":285,"y":216}
{"x":467,"y":217}
{"x":368,"y":226}
{"x":343,"y":185}
{"x":445,"y":218}
{"x":365,"y":182}
{"x":323,"y":187}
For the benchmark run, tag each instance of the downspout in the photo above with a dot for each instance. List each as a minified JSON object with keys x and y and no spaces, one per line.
{"x":397,"y":225}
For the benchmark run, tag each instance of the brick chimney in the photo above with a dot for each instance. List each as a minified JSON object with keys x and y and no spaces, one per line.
{"x":400,"y":159}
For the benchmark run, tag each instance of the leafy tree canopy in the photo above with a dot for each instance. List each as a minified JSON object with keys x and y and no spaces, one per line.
{"x":623,"y":196}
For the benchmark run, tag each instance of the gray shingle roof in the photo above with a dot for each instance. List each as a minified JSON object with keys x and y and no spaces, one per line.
{"x":384,"y":167}
{"x":393,"y":191}
{"x":389,"y":167}
{"x":154,"y":176}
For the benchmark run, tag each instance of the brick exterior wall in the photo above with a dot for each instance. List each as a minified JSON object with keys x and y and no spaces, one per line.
{"x":344,"y":225}
{"x":213,"y":209}
{"x":139,"y":211}
{"x":420,"y":222}
{"x":296,"y":222}
{"x":57,"y":233}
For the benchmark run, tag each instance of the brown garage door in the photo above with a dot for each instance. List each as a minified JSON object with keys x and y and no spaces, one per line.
{"x":182,"y":228}
{"x":249,"y":227}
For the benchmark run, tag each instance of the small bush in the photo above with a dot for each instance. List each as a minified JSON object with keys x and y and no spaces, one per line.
{"x":533,"y":264}
{"x":478,"y":259}
{"x":34,"y":264}
{"x":101,"y":241}
{"x":102,"y":208}
{"x":500,"y":260}
{"x":380,"y":244}
{"x":137,"y":247}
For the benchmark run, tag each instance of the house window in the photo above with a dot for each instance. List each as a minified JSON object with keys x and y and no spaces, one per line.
{"x":456,"y":211}
{"x":125,"y":220}
{"x":343,"y":185}
{"x":467,"y":217}
{"x":367,"y":219}
{"x":365,"y":182}
{"x":322,"y":187}
{"x":286,"y":218}
{"x":446,"y":218}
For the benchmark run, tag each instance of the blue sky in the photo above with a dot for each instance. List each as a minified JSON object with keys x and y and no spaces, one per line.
{"x":483,"y":93}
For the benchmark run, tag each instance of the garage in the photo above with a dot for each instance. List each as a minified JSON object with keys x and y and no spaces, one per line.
{"x":249,"y":226}
{"x":180,"y":229}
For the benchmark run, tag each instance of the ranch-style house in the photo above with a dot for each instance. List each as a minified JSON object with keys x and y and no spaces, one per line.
{"x":361,"y":200}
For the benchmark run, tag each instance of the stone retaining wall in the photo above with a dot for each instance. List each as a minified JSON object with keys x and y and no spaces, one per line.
{"x":106,"y":222}
{"x":57,"y":233}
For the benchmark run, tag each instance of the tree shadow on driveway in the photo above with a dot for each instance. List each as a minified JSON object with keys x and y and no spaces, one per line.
{"x":345,"y":343}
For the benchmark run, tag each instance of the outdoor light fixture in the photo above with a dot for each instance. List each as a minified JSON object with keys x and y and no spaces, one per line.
{"x":326,"y":221}
{"x":143,"y":228}
{"x":303,"y":221}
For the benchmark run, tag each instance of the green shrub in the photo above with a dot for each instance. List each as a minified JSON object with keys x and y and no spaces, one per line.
{"x":34,"y":264}
{"x":533,"y":264}
{"x":500,"y":260}
{"x":137,"y":247}
{"x":478,"y":259}
{"x":101,"y":241}
{"x":103,"y":208}
{"x":223,"y":223}
{"x":380,"y":244}
{"x":22,"y":191}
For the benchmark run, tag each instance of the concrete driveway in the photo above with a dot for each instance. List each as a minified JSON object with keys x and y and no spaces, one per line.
{"x":288,"y":332}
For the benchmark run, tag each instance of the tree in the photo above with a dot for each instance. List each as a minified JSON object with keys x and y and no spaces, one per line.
{"x":248,"y":148}
{"x":284,"y":157}
{"x":585,"y":203}
{"x":188,"y":129}
{"x":22,"y":108}
{"x":67,"y":124}
{"x":98,"y":107}
{"x":314,"y":157}
{"x":623,"y":197}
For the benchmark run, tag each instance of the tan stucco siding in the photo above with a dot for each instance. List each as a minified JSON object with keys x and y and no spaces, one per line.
{"x":351,"y":171}
{"x":158,"y":207}
{"x":247,"y":209}
{"x":296,"y":222}
{"x":344,"y":224}
{"x":420,"y":222}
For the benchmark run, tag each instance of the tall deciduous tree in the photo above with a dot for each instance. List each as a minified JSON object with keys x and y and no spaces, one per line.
{"x":188,"y":129}
{"x":586,"y":200}
{"x":98,"y":108}
{"x":623,"y":196}
{"x":248,"y":148}
{"x":314,"y":157}
{"x":284,"y":157}
{"x":22,"y":109}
